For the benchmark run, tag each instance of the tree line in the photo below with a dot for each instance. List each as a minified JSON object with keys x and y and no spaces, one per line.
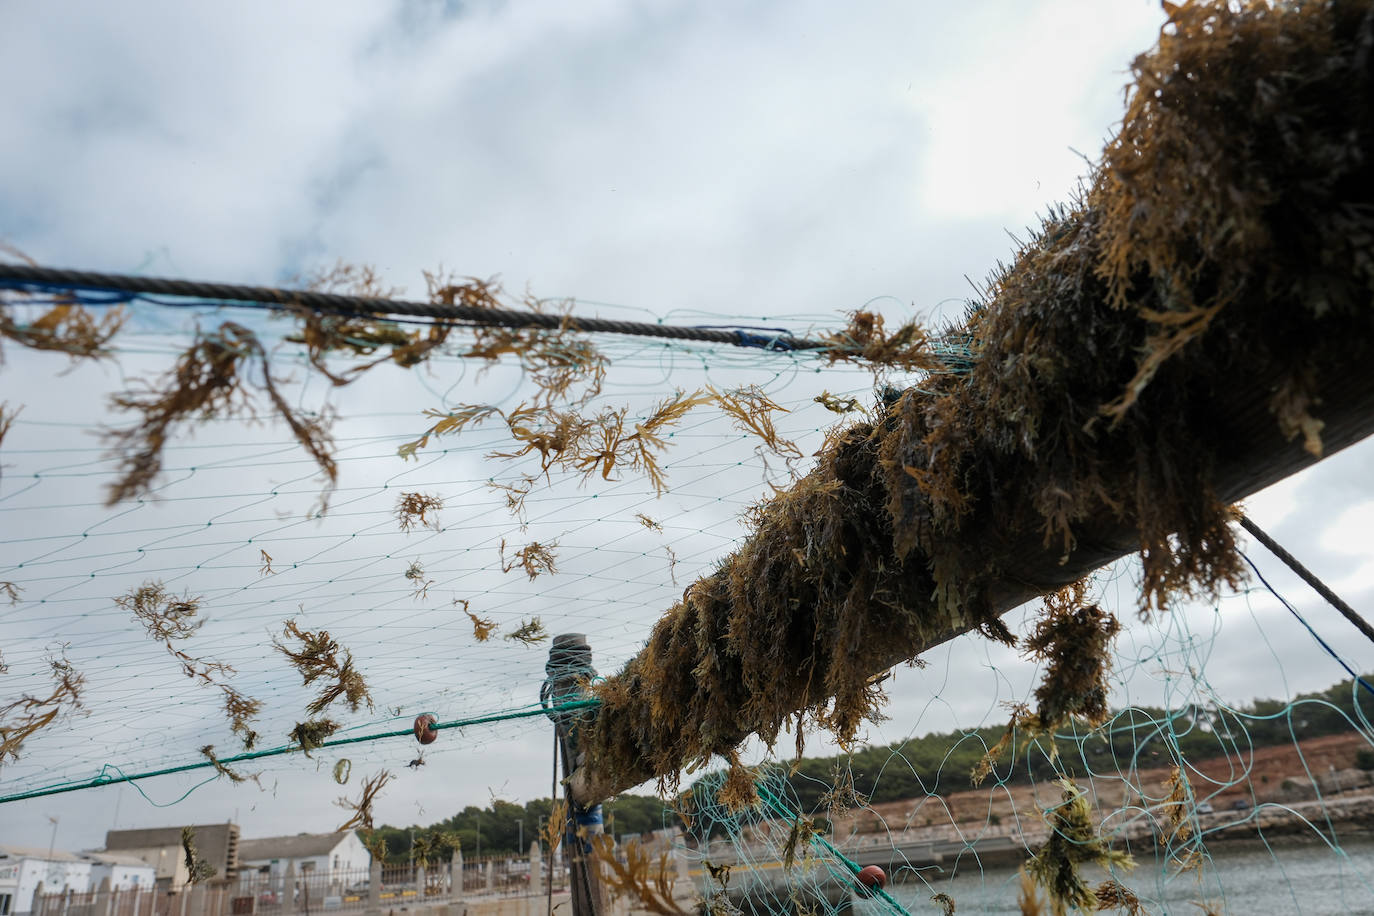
{"x":936,"y":763}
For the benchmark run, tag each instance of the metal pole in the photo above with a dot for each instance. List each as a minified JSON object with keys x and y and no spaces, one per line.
{"x":553,"y":797}
{"x":569,"y":668}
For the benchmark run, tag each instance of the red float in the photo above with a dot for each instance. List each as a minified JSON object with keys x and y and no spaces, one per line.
{"x":871,"y":878}
{"x":425,"y":732}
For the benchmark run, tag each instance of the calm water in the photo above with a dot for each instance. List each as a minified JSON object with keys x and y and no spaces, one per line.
{"x":1307,"y":878}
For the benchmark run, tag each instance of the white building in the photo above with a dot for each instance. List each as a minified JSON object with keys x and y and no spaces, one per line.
{"x":308,"y":852}
{"x":23,"y":868}
{"x":123,"y":870}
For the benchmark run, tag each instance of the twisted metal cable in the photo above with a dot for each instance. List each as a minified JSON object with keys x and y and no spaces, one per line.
{"x":34,"y":278}
{"x":1320,"y":587}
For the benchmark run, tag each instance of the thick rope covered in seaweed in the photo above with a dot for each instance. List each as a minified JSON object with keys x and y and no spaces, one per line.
{"x":1197,"y":327}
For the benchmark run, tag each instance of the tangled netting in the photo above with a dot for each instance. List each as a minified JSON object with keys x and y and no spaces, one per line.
{"x":1179,"y":802}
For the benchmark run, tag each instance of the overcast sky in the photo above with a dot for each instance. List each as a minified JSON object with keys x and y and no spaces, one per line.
{"x":699,"y":163}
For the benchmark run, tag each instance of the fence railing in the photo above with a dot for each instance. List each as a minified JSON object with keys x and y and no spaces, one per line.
{"x":282,"y":893}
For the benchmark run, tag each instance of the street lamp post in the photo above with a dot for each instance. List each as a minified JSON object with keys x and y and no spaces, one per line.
{"x":520,"y":844}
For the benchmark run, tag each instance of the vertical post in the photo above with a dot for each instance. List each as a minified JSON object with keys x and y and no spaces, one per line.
{"x":374,"y":887}
{"x":456,"y":864}
{"x":536,"y":870}
{"x":101,"y":903}
{"x":569,"y":668}
{"x":289,"y":895}
{"x":38,"y":903}
{"x":420,"y":881}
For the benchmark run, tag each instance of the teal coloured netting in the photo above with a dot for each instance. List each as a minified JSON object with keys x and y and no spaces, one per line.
{"x":1232,"y":789}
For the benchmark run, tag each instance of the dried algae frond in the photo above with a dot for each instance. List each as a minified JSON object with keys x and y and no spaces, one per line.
{"x":738,"y":791}
{"x":865,"y":340}
{"x":165,"y":616}
{"x":1028,"y":901}
{"x":752,"y":411}
{"x":435,"y":846}
{"x":1074,"y":639}
{"x":11,"y":592}
{"x":482,"y":627}
{"x":556,"y":826}
{"x":1073,"y":842}
{"x":241,"y":711}
{"x":418,"y":509}
{"x":1021,"y":718}
{"x":798,"y":839}
{"x":1113,"y":895}
{"x":208,"y":752}
{"x":211,"y":380}
{"x":21,"y":719}
{"x":530,"y":632}
{"x":534,"y":558}
{"x":836,"y":404}
{"x":6,"y":421}
{"x":648,"y":522}
{"x":842,"y":794}
{"x":946,"y":903}
{"x":320,"y":656}
{"x":415,"y":574}
{"x":362,"y":808}
{"x":197,"y":869}
{"x":313,"y":733}
{"x":169,"y":619}
{"x":1139,"y":365}
{"x":647,"y":882}
{"x":65,"y":328}
{"x":569,"y":441}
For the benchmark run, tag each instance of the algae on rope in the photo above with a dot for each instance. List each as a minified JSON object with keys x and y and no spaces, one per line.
{"x":1161,"y":346}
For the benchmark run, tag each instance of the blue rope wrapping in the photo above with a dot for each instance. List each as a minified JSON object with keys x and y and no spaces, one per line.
{"x":1321,"y":642}
{"x":763,"y":343}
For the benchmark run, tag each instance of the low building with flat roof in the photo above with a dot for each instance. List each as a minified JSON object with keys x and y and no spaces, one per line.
{"x":23,"y":869}
{"x":160,"y":847}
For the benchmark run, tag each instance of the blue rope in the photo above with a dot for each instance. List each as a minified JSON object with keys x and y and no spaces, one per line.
{"x":1321,"y":642}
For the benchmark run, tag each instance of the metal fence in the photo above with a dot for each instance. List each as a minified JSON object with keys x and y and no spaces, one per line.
{"x":291,"y":893}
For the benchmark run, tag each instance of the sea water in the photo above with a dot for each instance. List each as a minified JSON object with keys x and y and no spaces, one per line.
{"x":1308,"y":877}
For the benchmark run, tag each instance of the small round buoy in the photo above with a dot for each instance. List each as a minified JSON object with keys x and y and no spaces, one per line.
{"x":871,"y":878}
{"x":425,"y":732}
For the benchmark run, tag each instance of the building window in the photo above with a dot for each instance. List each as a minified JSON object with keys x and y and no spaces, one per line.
{"x":337,"y":866}
{"x":4,"y":905}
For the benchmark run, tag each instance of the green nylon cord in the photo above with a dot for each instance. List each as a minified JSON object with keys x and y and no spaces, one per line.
{"x":821,"y":842}
{"x":105,"y":779}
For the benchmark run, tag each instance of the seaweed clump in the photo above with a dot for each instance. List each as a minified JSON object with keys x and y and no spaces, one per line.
{"x":197,"y":869}
{"x":418,"y":509}
{"x":1189,"y":312}
{"x":320,"y":657}
{"x":313,"y":733}
{"x":1074,"y":842}
{"x":1074,"y":639}
{"x":22,"y":718}
{"x":362,"y":807}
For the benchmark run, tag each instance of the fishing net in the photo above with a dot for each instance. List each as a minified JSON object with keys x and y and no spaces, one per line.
{"x":322,"y":560}
{"x":421,"y":570}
